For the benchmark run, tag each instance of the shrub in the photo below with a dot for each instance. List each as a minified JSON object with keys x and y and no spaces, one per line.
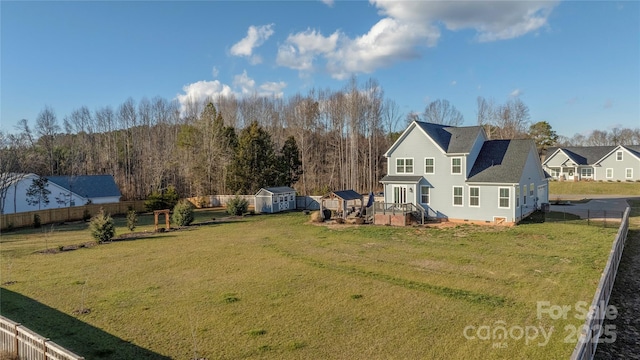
{"x":132,"y":219}
{"x":237,"y":206}
{"x":101,"y":227}
{"x":182,"y":213}
{"x":36,"y":221}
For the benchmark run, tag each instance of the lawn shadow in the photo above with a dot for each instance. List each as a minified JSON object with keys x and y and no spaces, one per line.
{"x":68,"y":331}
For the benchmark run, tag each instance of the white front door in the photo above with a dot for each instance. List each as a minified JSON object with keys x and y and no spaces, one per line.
{"x":399,"y":194}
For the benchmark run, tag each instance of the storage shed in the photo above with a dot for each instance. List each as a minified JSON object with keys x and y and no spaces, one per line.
{"x":275,"y":199}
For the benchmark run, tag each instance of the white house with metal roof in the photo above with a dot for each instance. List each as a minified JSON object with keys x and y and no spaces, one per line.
{"x":64,"y":191}
{"x":456,"y":173}
{"x":598,"y":163}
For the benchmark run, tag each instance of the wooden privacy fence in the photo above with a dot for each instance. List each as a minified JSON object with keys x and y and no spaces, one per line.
{"x":67,"y":214}
{"x":27,"y":345}
{"x":592,"y":328}
{"x":302,"y":202}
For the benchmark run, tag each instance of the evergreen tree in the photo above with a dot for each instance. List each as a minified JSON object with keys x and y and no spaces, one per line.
{"x":543,"y":135}
{"x":254,"y":165}
{"x":289,"y":163}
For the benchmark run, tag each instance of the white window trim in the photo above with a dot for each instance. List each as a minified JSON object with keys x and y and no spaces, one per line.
{"x":434,"y":166}
{"x":460,"y":173}
{"x":453,"y":196}
{"x":413,"y":166}
{"x":508,"y":197}
{"x":606,"y":173}
{"x":532,"y":187}
{"x":621,"y":155}
{"x":582,"y":170}
{"x":429,"y":194}
{"x":474,"y":187}
{"x":626,"y":173}
{"x":517,"y":196}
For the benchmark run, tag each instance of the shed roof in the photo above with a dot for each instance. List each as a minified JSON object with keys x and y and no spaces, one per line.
{"x":347,"y":195}
{"x":279,"y":189}
{"x":88,"y":186}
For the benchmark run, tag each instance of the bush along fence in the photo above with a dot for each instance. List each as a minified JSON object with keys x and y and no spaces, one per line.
{"x":25,"y":344}
{"x":592,"y":329}
{"x":74,"y":213}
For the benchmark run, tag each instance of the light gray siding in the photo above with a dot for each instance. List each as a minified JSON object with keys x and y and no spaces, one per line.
{"x":618,"y":168}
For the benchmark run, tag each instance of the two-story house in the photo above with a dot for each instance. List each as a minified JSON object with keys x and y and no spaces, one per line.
{"x":456,"y":174}
{"x":602,"y":163}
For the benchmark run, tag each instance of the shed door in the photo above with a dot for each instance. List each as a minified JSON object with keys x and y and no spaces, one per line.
{"x":282,"y":202}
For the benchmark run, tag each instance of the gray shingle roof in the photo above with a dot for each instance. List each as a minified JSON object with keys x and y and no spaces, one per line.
{"x":583,"y":155}
{"x":453,"y":140}
{"x":401,"y":178}
{"x":501,"y":161}
{"x":279,"y":189}
{"x":88,"y":186}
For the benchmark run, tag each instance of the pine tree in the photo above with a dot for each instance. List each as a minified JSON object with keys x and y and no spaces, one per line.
{"x":254,"y":165}
{"x":289,"y":163}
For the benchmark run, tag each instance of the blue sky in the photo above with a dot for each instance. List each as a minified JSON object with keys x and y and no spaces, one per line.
{"x":575,"y":64}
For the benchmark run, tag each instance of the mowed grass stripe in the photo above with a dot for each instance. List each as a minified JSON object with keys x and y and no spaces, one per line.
{"x":459,"y":294}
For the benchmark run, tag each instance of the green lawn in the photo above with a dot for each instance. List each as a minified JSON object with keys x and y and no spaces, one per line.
{"x":275,"y":286}
{"x":593,"y":188}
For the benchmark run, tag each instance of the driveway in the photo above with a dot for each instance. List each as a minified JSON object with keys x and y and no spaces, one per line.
{"x":615,"y":204}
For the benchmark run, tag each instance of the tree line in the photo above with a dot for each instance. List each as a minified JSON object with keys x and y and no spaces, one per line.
{"x":321,"y":141}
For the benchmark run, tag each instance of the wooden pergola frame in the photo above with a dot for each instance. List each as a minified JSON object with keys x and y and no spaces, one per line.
{"x":157,"y":213}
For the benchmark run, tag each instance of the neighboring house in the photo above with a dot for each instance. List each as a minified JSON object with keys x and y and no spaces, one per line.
{"x":64,"y":191}
{"x":456,"y":173}
{"x":605,"y":163}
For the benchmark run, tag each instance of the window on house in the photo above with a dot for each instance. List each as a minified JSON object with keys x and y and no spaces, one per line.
{"x":474,"y":196}
{"x":628,"y":173}
{"x":524,"y":194}
{"x":609,"y":173}
{"x":457,"y":195}
{"x":429,"y":166}
{"x":424,"y":194}
{"x":619,"y":155}
{"x":586,"y":172}
{"x":404,"y":166}
{"x":456,"y":165}
{"x":555,"y":172}
{"x":503,"y":200}
{"x":517,"y":196}
{"x":531,"y":186}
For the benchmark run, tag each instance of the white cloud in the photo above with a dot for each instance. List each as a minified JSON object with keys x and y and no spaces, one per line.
{"x":245,"y":83}
{"x":516,"y":93}
{"x":256,"y":36}
{"x":215,"y":71}
{"x":454,"y":83}
{"x":329,"y":3}
{"x":406,"y":26}
{"x":493,"y":20}
{"x":202,"y":90}
{"x":608,"y":104}
{"x":272,"y":89}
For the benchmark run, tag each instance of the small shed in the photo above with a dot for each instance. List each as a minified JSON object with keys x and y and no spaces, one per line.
{"x":275,"y":199}
{"x":344,"y":202}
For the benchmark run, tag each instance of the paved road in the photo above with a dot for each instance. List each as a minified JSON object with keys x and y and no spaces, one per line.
{"x":598,"y":204}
